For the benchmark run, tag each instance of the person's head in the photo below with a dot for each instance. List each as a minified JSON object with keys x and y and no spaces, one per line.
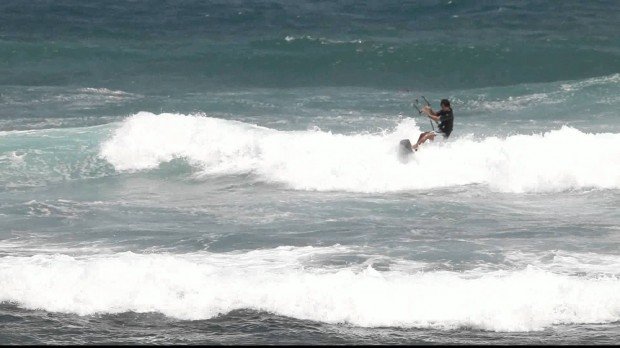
{"x":445,"y":104}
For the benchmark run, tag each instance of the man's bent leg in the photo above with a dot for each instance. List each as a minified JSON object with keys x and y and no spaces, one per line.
{"x":424,"y":137}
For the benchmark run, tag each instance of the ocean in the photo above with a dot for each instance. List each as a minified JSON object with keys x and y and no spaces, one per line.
{"x":227,"y":172}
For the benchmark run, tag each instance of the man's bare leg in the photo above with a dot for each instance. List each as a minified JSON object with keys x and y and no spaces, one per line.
{"x":424,"y":137}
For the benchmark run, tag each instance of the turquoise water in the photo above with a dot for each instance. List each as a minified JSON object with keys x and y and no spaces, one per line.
{"x":227,"y":172}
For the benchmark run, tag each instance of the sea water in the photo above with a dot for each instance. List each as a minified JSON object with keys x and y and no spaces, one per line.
{"x":228,"y":172}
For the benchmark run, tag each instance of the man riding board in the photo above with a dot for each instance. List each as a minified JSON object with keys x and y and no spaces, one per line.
{"x":444,"y":119}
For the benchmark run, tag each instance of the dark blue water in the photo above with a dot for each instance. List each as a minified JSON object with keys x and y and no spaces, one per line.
{"x":227,"y":172}
{"x":169,"y":47}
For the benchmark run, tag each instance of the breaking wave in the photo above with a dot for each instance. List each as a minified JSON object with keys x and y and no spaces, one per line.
{"x":204,"y":285}
{"x":558,"y":160}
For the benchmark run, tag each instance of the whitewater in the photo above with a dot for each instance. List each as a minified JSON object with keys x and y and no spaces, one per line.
{"x":204,"y":285}
{"x":556,"y":160}
{"x":201,"y":172}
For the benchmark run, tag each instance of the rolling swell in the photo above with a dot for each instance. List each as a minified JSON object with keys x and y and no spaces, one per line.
{"x":310,"y":61}
{"x":302,"y":62}
{"x":278,"y":44}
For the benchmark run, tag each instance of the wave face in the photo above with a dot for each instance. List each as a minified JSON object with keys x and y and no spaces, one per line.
{"x":41,"y":157}
{"x":557,"y":160}
{"x":204,"y":285}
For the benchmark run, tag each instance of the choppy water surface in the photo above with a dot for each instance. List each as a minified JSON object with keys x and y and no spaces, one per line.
{"x":216,"y":172}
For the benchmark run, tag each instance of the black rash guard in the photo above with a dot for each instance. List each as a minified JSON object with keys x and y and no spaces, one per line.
{"x":446,"y":119}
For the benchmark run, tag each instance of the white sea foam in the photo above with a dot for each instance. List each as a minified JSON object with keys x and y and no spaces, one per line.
{"x":554,"y":93}
{"x":568,"y":262}
{"x":322,"y":40}
{"x":558,"y":160}
{"x":103,"y":91}
{"x":513,"y":103}
{"x":595,"y":81}
{"x":204,"y":285}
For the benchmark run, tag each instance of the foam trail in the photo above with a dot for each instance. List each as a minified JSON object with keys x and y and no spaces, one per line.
{"x":203,"y":285}
{"x":314,"y":160}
